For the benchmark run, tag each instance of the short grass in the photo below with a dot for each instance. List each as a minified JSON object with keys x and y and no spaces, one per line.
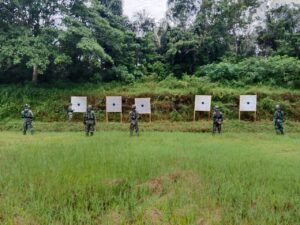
{"x":157,"y":178}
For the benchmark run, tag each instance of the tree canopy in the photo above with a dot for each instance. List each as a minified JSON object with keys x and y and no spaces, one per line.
{"x":92,"y":41}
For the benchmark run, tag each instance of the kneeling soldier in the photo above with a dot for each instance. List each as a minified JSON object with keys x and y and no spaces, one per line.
{"x":133,"y":119}
{"x":27,"y":116}
{"x":278,"y":120}
{"x":217,"y":120}
{"x":89,"y":121}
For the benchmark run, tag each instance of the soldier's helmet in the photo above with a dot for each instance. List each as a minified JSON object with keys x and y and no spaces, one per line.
{"x":216,"y":108}
{"x":277,"y":107}
{"x":133,"y":107}
{"x":89,"y":107}
{"x":27,"y":106}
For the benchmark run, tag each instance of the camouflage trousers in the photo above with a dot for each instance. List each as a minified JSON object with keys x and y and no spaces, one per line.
{"x":279,"y":127}
{"x":217,"y":127}
{"x":134,"y":126}
{"x":27,"y":126}
{"x":89,"y":128}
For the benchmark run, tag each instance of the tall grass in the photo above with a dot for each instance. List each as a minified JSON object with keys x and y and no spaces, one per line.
{"x":158,"y":178}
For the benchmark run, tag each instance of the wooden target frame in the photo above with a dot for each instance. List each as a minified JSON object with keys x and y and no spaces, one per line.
{"x":114,"y":105}
{"x":143,"y":107}
{"x":248,"y":103}
{"x":202,"y":104}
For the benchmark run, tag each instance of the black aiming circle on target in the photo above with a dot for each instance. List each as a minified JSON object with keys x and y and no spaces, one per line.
{"x":248,"y":103}
{"x":114,"y":104}
{"x":142,"y":105}
{"x":203,"y":103}
{"x":78,"y":104}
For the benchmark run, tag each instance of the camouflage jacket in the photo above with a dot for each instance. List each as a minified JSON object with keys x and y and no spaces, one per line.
{"x":27,"y":114}
{"x":89,"y":117}
{"x":278,"y":116}
{"x":217,"y":117}
{"x":133,"y":116}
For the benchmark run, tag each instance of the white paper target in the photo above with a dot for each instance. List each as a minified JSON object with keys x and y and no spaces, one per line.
{"x":248,"y":103}
{"x":203,"y":103}
{"x":79,"y":104}
{"x":143,"y":105}
{"x":113,"y":104}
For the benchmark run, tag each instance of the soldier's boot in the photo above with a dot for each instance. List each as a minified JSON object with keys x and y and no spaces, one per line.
{"x":87,"y":133}
{"x":92,"y":133}
{"x":281,"y":132}
{"x":24,"y":132}
{"x":32,"y":131}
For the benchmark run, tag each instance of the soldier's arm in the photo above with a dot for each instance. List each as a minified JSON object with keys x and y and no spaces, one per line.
{"x":129,"y":117}
{"x":274,"y":117}
{"x":94,"y":117}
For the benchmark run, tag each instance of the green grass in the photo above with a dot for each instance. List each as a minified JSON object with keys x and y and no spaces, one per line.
{"x":171,"y":99}
{"x":158,"y":178}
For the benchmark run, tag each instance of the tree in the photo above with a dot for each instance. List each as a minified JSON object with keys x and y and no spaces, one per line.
{"x":181,"y":12}
{"x":142,"y":23}
{"x":115,"y":6}
{"x":28,"y":34}
{"x":222,"y":26}
{"x":281,"y":35}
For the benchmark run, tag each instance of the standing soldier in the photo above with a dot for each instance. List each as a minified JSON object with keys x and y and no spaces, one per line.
{"x":89,"y":121}
{"x":133,"y":119}
{"x":70,"y":112}
{"x":278,"y":120}
{"x":217,"y":120}
{"x":27,"y":116}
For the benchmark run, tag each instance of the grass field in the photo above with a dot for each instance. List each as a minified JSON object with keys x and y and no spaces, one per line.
{"x":157,"y":178}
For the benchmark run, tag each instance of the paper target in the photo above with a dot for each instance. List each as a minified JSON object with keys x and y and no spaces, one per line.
{"x":143,"y":105}
{"x":203,"y":103}
{"x":113,"y":104}
{"x":79,"y":104}
{"x":248,"y":103}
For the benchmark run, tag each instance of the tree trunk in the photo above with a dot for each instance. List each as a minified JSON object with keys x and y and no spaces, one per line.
{"x":34,"y":74}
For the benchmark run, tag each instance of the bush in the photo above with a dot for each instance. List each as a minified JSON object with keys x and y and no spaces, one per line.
{"x":279,"y":70}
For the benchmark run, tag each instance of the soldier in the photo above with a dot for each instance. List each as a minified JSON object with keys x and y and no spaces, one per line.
{"x":278,"y":120}
{"x":89,"y":121}
{"x":70,"y":112}
{"x":133,"y":119}
{"x":217,"y":120}
{"x":27,"y":116}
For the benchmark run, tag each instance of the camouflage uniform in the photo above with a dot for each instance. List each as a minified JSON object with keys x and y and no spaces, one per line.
{"x":70,"y":112}
{"x":89,"y":121}
{"x":217,"y":121}
{"x":278,"y":120}
{"x":133,"y":119}
{"x":27,"y":116}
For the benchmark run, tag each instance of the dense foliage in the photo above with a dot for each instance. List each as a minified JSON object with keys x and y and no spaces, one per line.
{"x":91,"y":41}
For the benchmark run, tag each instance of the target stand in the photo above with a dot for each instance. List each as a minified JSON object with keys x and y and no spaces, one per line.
{"x":143,"y":106}
{"x":202,"y":104}
{"x":79,"y":104}
{"x":248,"y":103}
{"x":114,"y":105}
